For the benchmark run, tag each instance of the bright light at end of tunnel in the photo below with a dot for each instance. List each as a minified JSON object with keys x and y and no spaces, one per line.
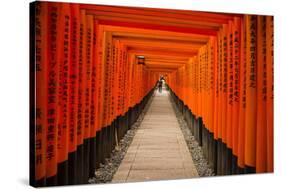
{"x":140,"y":57}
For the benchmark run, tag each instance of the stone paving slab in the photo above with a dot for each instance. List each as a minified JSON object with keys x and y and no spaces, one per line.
{"x":158,"y":150}
{"x":143,"y":175}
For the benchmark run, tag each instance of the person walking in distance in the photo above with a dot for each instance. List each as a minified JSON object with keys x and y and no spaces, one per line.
{"x":160,"y":82}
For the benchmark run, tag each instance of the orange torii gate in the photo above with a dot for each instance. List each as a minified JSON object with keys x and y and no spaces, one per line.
{"x":219,"y":69}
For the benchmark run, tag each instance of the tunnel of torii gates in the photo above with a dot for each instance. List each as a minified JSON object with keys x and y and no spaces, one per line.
{"x":96,"y":67}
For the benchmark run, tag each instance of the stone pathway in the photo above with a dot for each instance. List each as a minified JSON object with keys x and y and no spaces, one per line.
{"x":158,"y":150}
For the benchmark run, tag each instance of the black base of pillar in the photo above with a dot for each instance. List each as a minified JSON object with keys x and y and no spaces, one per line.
{"x":219,"y":157}
{"x":86,"y":161}
{"x":80,"y":159}
{"x":228,"y":161}
{"x":62,"y":173}
{"x":215,"y":156}
{"x":103,"y":143}
{"x":93,"y":159}
{"x":249,"y":170}
{"x":72,"y":168}
{"x":199,"y":131}
{"x":52,"y":181}
{"x":98,"y":148}
{"x":241,"y":170}
{"x":39,"y":183}
{"x":234,"y":170}
{"x":212,"y":151}
{"x":224,"y":159}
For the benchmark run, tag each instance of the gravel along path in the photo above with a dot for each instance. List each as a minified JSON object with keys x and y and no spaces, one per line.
{"x":105,"y":173}
{"x":199,"y":160}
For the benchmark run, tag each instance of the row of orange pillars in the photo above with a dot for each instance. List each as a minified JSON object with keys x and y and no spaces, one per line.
{"x":94,"y":67}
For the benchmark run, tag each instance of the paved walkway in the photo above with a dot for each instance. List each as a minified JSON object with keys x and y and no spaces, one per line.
{"x":158,"y":150}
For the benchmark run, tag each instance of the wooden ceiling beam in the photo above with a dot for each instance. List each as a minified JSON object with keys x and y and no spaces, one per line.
{"x":157,"y":27}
